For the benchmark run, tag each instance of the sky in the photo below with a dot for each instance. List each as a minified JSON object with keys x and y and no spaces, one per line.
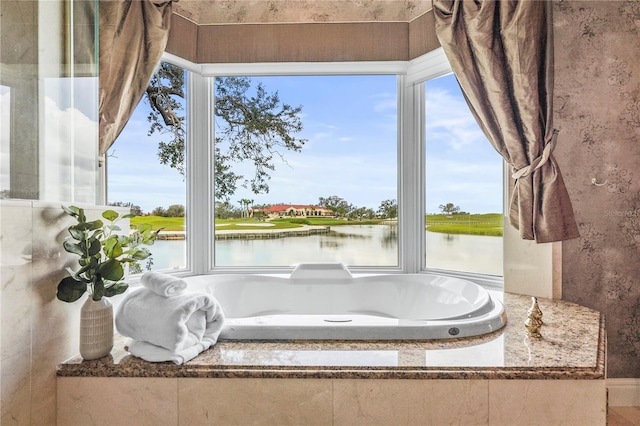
{"x":350,"y":124}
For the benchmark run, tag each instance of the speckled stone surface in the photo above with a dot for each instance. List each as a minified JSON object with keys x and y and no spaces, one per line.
{"x":573,"y":346}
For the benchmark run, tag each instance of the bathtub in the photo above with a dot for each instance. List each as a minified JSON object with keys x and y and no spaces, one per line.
{"x":326,"y":302}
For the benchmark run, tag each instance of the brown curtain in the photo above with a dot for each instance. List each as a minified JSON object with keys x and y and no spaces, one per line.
{"x":133,"y":36}
{"x":502,"y":55}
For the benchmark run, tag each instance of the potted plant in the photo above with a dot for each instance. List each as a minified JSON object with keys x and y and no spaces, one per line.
{"x":104,"y":253}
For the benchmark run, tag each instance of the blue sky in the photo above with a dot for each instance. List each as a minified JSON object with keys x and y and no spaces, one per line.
{"x":350,"y":127}
{"x":462,"y":167}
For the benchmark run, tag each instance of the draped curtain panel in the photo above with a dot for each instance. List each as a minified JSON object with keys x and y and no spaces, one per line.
{"x":502,"y":55}
{"x":132,"y":35}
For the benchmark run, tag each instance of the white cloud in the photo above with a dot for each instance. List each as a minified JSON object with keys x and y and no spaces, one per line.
{"x":450,"y":121}
{"x":321,"y":135}
{"x":474,"y":186}
{"x":384,"y":102}
{"x":363,"y":181}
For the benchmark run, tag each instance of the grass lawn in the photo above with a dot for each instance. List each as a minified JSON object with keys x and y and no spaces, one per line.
{"x":489,"y":224}
{"x":475,"y":224}
{"x":481,"y":229}
{"x":156,"y":222}
{"x":466,"y":218}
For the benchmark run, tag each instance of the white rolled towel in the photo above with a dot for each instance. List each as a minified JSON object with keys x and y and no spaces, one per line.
{"x":174,"y":323}
{"x":153,"y":353}
{"x":163,"y":284}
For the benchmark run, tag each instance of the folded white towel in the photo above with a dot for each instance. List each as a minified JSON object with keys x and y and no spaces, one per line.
{"x":174,"y":323}
{"x":163,"y":284}
{"x":154,"y":353}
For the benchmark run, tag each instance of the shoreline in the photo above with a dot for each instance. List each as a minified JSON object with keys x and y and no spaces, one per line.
{"x":252,"y":234}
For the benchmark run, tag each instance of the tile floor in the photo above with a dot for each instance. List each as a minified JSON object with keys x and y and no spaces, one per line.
{"x":623,"y":416}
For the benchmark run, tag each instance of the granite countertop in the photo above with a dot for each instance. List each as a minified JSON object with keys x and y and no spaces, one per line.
{"x":573,"y":346}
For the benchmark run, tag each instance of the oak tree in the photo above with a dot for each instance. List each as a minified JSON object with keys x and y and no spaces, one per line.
{"x":252,"y":125}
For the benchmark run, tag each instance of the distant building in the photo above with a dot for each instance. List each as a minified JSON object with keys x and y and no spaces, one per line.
{"x":293,"y":210}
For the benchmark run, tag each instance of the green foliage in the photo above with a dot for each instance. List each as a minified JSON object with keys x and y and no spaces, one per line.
{"x":339,"y":206}
{"x":323,"y":221}
{"x":449,"y":208}
{"x":174,"y":210}
{"x":361,"y":213}
{"x":135,"y":210}
{"x":165,"y":94}
{"x":159,"y":211}
{"x":388,"y":209}
{"x":103,"y":254}
{"x":159,"y":222}
{"x":252,"y":125}
{"x":224,"y":210}
{"x":244,"y":207}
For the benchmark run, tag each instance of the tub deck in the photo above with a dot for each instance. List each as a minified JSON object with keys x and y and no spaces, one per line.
{"x":513,"y":375}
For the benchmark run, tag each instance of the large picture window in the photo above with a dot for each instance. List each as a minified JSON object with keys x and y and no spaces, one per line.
{"x":306,"y":170}
{"x":377,"y":166}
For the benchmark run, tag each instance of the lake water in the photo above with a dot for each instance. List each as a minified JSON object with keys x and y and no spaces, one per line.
{"x":361,"y":245}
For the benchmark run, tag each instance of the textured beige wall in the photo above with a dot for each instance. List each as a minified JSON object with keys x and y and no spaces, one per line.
{"x":287,"y":11}
{"x":597,"y":108}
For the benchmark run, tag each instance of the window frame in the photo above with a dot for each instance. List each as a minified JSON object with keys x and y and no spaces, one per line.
{"x":411,"y":76}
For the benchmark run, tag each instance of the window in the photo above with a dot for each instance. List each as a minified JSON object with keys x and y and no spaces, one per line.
{"x":357,"y":183}
{"x":327,"y":194}
{"x":146,"y":170}
{"x":463,"y":185}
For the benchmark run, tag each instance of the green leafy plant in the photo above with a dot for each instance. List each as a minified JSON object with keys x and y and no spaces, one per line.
{"x":103,"y":254}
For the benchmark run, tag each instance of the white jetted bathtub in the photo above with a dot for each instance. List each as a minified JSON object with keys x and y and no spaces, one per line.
{"x":324,"y":301}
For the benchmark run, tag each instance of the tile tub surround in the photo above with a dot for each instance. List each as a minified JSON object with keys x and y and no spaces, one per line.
{"x":514,"y":379}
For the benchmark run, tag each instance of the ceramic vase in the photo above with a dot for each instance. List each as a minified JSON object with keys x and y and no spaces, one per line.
{"x":96,"y":328}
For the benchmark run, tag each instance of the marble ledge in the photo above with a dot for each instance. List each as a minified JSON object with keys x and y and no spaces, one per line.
{"x":572,"y":347}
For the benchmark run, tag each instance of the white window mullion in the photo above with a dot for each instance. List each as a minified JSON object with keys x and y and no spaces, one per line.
{"x":411,"y":193}
{"x":199,"y":163}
